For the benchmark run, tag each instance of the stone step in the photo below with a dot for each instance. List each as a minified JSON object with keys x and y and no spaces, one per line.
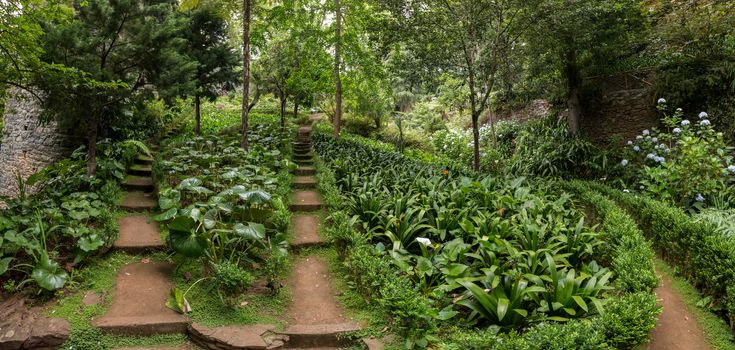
{"x":138,"y":183}
{"x":305,"y":171}
{"x":302,"y":157}
{"x":139,"y":302}
{"x":304,"y":130}
{"x":180,"y":347}
{"x":304,"y":182}
{"x":306,"y":200}
{"x":298,"y":151}
{"x":138,"y":233}
{"x":237,"y":337}
{"x":141,"y":170}
{"x":313,"y":336}
{"x":306,"y":231}
{"x":138,"y":201}
{"x":143,"y":159}
{"x":304,"y":162}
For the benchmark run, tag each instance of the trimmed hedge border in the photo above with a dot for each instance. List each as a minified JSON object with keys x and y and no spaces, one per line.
{"x":627,"y":322}
{"x":702,"y":254}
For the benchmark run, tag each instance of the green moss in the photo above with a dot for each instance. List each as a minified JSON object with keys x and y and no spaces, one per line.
{"x":717,"y":332}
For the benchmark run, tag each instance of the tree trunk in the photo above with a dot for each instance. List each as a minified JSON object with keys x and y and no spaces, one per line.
{"x":574,"y":81}
{"x":296,"y":108}
{"x":283,"y":111}
{"x":337,"y":80}
{"x":197,"y":115}
{"x":92,"y":145}
{"x":245,"y":72}
{"x":476,"y":139}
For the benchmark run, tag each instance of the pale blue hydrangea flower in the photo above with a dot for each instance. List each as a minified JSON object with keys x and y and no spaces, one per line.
{"x":685,"y":122}
{"x":646,"y":132}
{"x":677,"y":131}
{"x":699,"y":197}
{"x":659,"y":159}
{"x":705,"y":122}
{"x":636,"y":148}
{"x":703,"y":115}
{"x":651,"y":156}
{"x":624,"y":162}
{"x":639,"y":137}
{"x":731,"y":169}
{"x":630,"y":143}
{"x":655,"y":139}
{"x":661,"y":101}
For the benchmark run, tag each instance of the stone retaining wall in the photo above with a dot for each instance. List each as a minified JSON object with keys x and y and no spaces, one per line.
{"x":620,"y":116}
{"x":27,"y":145}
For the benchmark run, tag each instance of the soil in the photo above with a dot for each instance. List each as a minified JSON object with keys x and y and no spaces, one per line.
{"x":677,"y":327}
{"x":314,"y":301}
{"x":306,"y":230}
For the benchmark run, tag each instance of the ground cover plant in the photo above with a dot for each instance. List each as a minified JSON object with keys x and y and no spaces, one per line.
{"x":486,"y":253}
{"x":71,"y":218}
{"x":226,"y":209}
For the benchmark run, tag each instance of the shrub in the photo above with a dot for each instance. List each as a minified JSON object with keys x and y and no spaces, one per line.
{"x":231,"y":278}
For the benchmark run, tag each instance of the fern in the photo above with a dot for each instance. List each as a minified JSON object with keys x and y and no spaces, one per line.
{"x":139,"y":145}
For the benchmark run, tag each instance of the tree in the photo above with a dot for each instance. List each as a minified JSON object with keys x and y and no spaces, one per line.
{"x":465,"y":38}
{"x":577,"y":36}
{"x":337,"y":58}
{"x":216,"y":60}
{"x":109,"y":53}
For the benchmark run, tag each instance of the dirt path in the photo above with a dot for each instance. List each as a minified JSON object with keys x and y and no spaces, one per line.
{"x":677,"y":327}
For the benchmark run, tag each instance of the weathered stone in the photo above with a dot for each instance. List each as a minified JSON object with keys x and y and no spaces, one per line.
{"x":255,"y":337}
{"x":22,"y":328}
{"x":306,"y":200}
{"x":28,"y":146}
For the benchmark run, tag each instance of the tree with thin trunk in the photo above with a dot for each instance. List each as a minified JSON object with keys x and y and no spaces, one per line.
{"x":337,"y":58}
{"x":245,"y":71}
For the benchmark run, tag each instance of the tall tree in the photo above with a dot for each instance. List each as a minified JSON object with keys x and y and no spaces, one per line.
{"x":465,"y":38}
{"x":105,"y":56}
{"x":245,"y":71}
{"x":216,"y":60}
{"x":337,"y":59}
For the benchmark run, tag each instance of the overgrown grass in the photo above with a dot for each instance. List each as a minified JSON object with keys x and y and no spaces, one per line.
{"x":718,"y":334}
{"x":99,"y":277}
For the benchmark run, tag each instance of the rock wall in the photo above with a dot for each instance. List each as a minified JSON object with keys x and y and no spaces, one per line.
{"x":620,"y":116}
{"x":27,"y":145}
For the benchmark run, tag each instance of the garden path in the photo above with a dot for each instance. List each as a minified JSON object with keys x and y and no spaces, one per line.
{"x":677,"y":328}
{"x":314,"y":319}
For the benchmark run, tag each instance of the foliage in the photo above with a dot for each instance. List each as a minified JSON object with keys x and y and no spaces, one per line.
{"x":69,"y":220}
{"x":689,"y":164}
{"x":490,"y":251}
{"x":224,"y":205}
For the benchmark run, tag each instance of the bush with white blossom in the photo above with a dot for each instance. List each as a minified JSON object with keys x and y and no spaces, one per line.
{"x":688,"y":162}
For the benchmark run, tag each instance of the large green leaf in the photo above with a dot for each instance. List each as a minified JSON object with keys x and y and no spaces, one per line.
{"x":48,"y":274}
{"x":257,"y":197}
{"x":251,"y":231}
{"x":5,"y":264}
{"x":181,"y":224}
{"x":167,"y":215}
{"x":188,"y":244}
{"x":90,"y":243}
{"x":189,"y":183}
{"x":169,"y":199}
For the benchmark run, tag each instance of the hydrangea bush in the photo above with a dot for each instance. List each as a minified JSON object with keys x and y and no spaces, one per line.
{"x":687,"y":162}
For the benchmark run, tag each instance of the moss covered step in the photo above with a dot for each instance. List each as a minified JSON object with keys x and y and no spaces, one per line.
{"x":305,"y":171}
{"x":306,"y":200}
{"x":302,"y":150}
{"x":306,"y":231}
{"x":141,"y":170}
{"x":304,"y":182}
{"x":138,"y":183}
{"x":143,"y":159}
{"x":301,"y":157}
{"x":138,"y":233}
{"x":138,"y":201}
{"x":139,"y":302}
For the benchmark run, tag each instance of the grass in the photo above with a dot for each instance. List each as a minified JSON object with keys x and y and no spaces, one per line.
{"x":99,"y":276}
{"x":211,"y":309}
{"x":718,"y":334}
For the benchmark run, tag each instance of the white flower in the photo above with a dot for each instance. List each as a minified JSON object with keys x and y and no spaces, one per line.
{"x":651,"y":156}
{"x":731,"y":169}
{"x":703,"y":115}
{"x":699,"y":198}
{"x":705,"y":122}
{"x":626,"y":190}
{"x":639,"y":137}
{"x":685,"y":122}
{"x":661,"y":101}
{"x":660,"y":159}
{"x":655,"y":139}
{"x":630,"y":143}
{"x":636,"y":148}
{"x":646,"y":132}
{"x":677,"y":131}
{"x":624,"y":162}
{"x":679,"y":110}
{"x":424,"y":241}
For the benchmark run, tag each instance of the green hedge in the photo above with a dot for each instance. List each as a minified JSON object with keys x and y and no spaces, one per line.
{"x":700,"y":252}
{"x":630,"y":314}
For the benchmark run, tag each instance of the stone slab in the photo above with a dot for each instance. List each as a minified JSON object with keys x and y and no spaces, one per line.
{"x":306,"y":231}
{"x":138,"y":233}
{"x":304,"y":182}
{"x":139,"y":302}
{"x":138,"y":201}
{"x":23,"y":328}
{"x":320,"y":335}
{"x":138,"y":183}
{"x":306,"y":200}
{"x":255,"y":337}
